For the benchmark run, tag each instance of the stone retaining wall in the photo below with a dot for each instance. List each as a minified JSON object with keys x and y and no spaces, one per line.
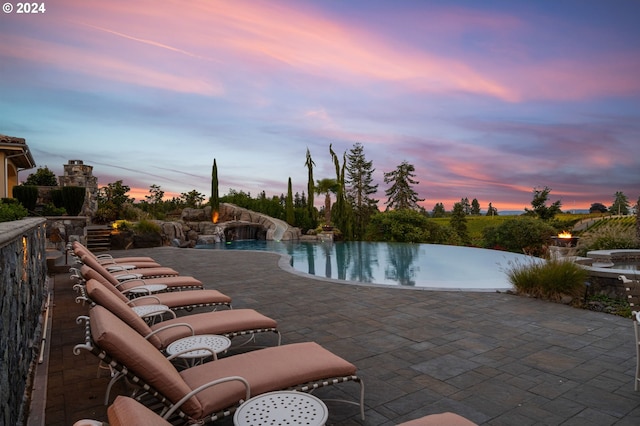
{"x":23,"y":276}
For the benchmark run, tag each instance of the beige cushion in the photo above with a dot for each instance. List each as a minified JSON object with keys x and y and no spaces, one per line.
{"x":266,"y":370}
{"x":91,"y":274}
{"x":441,"y":419}
{"x":220,"y":322}
{"x":127,"y":347}
{"x":127,"y":412}
{"x":92,"y":262}
{"x":103,"y":297}
{"x":179,"y":299}
{"x":170,"y":282}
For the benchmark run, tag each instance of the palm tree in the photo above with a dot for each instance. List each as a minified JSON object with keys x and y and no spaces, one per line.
{"x":326,"y":186}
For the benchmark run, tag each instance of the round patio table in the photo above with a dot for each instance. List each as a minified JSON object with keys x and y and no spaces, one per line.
{"x":282,"y":408}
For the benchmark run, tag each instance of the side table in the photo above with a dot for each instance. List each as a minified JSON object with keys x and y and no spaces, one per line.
{"x":198,"y":347}
{"x":141,"y":290}
{"x":150,"y":312}
{"x":282,"y":408}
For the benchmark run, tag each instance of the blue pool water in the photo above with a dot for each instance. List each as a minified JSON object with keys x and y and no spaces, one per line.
{"x":402,"y":264}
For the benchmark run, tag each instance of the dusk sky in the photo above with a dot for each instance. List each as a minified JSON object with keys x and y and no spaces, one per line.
{"x":487,"y":99}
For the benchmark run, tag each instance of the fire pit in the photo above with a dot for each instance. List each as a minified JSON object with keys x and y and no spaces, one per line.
{"x":565,"y":239}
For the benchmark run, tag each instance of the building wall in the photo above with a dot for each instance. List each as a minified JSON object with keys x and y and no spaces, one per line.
{"x":23,"y":274}
{"x":6,"y":185}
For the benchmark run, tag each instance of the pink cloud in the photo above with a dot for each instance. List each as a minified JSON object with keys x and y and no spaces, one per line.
{"x":86,"y":62}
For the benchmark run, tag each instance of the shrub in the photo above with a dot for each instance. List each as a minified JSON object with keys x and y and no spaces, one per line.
{"x":608,"y":236}
{"x":27,"y":195}
{"x":51,"y":210}
{"x":524,"y":234}
{"x":548,"y":280}
{"x":73,"y":199}
{"x":56,"y":198}
{"x":147,"y":227}
{"x":122,"y":225}
{"x":11,"y":210}
{"x":408,"y":226}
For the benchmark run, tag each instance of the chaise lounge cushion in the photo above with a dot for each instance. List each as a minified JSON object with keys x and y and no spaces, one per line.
{"x":162,"y":271}
{"x":266,"y":370}
{"x":127,"y":412}
{"x":171,"y":282}
{"x":128,"y":348}
{"x":221,"y":322}
{"x":441,"y":419}
{"x":174,"y":299}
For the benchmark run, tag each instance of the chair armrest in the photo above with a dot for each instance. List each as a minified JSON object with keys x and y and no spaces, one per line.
{"x":138,"y":299}
{"x":188,"y":396}
{"x":166,"y":327}
{"x":184,"y":351}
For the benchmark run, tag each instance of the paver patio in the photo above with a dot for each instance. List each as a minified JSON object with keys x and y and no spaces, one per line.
{"x":494,"y":358}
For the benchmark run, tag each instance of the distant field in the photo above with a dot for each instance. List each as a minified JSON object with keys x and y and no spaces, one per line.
{"x":476,"y":224}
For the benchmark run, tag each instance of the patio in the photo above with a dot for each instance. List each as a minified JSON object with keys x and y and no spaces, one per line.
{"x":494,"y":358}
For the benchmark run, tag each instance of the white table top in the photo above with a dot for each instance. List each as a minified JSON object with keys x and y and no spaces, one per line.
{"x":119,"y":267}
{"x":212,"y":341}
{"x":148,"y":288}
{"x":282,"y":408}
{"x":146,"y":310}
{"x":124,"y":277}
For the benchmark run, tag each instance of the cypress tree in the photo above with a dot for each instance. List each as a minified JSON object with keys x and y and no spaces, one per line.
{"x":215,"y":197}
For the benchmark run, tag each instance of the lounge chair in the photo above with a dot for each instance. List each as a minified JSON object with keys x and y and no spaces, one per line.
{"x":229,"y":323}
{"x":177,"y":282}
{"x":108,"y":260}
{"x":118,"y":270}
{"x":439,"y":419}
{"x":174,"y":300}
{"x":212,"y":390}
{"x":127,"y":411}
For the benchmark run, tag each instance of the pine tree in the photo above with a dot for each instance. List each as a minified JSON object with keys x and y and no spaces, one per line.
{"x":492,"y":211}
{"x":620,"y":204}
{"x":438,"y":210}
{"x":475,"y":207}
{"x":360,"y":188}
{"x":401,"y":194}
{"x":459,"y":222}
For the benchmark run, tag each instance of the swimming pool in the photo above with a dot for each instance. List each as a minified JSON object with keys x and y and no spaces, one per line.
{"x":410,"y":265}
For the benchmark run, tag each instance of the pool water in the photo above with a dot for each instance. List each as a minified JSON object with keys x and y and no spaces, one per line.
{"x":415,"y":265}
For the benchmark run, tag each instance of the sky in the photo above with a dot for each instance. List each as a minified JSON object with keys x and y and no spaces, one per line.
{"x":486,"y":99}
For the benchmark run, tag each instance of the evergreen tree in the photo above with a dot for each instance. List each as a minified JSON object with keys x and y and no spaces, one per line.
{"x":539,"y":204}
{"x":620,"y":204}
{"x":215,"y":196}
{"x":492,"y":211}
{"x":42,"y":177}
{"x":459,"y":222}
{"x":360,"y":181}
{"x":401,"y":194}
{"x":291,"y":217}
{"x":465,"y":205}
{"x":438,"y":210}
{"x":310,"y":185}
{"x":475,"y":207}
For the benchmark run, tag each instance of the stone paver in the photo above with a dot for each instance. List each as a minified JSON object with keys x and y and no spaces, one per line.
{"x":494,"y":358}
